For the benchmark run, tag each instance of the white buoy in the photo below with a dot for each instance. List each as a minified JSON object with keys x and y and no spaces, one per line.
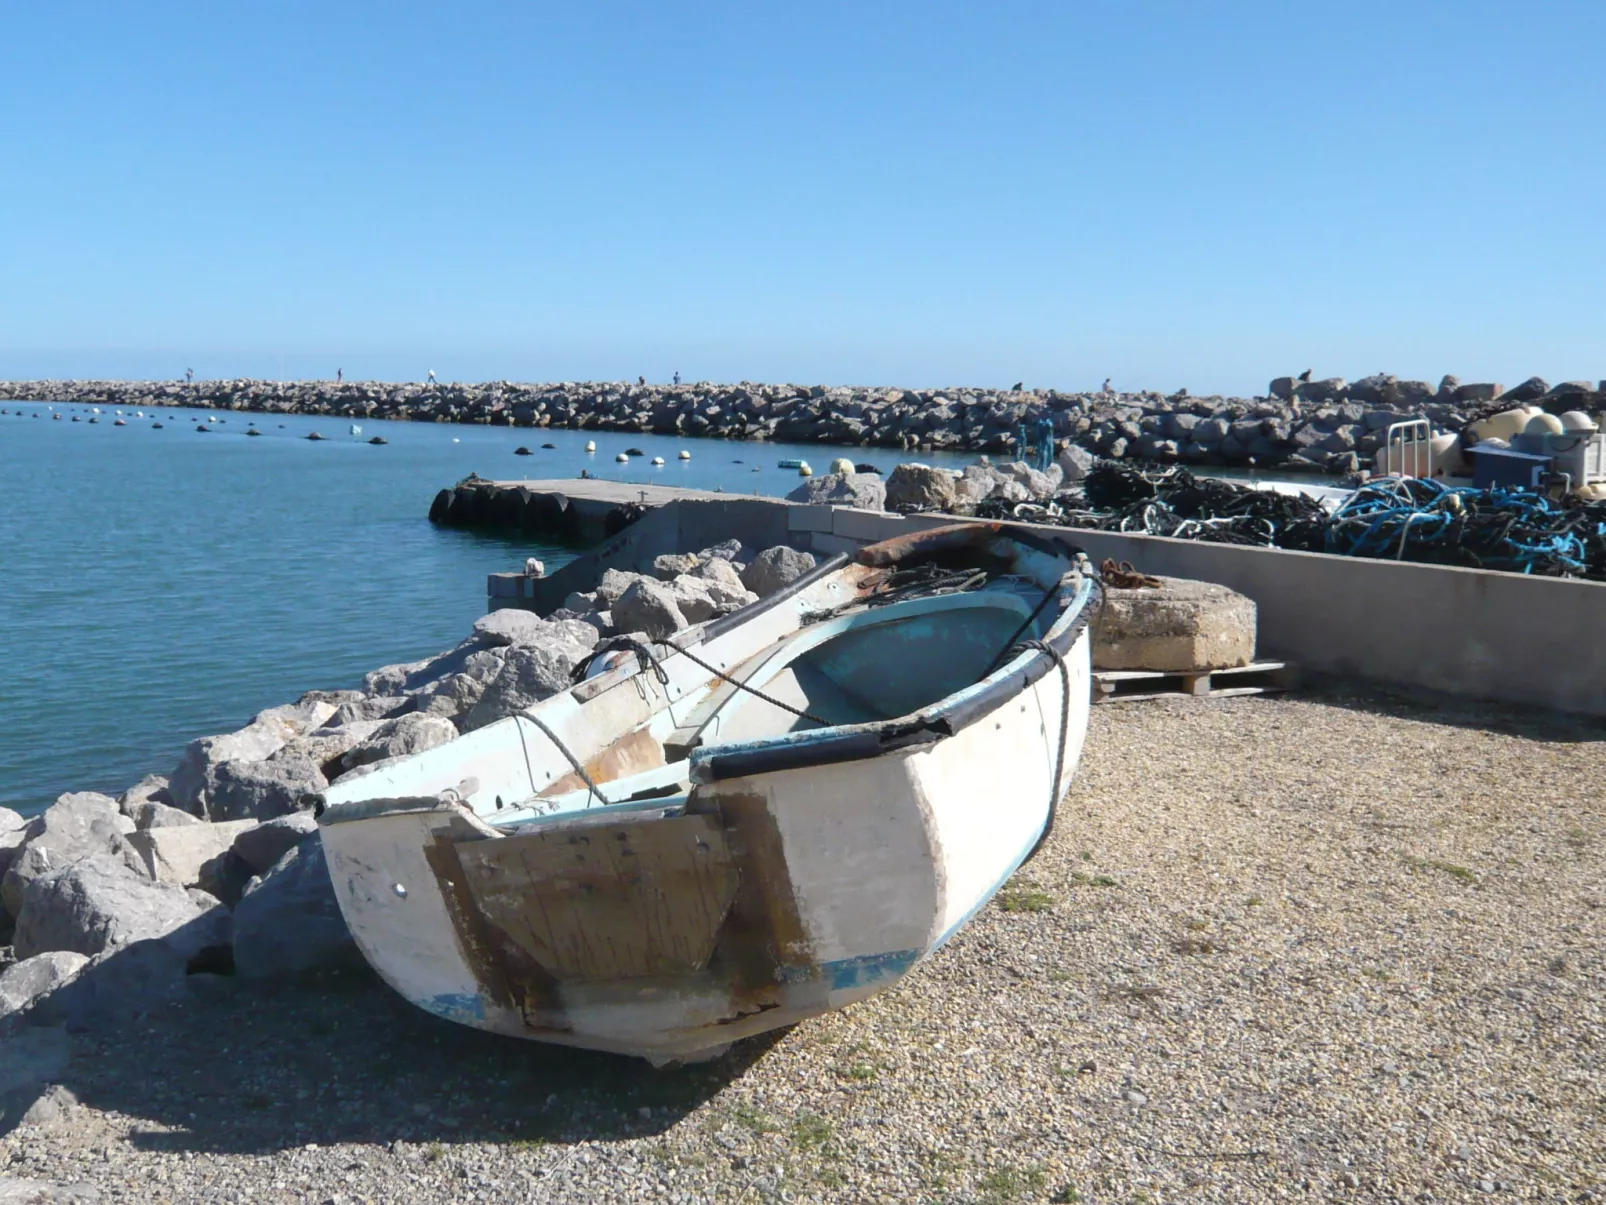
{"x":622,"y":458}
{"x":658,"y":460}
{"x":455,"y":440}
{"x":355,"y":429}
{"x":211,"y":418}
{"x":803,"y":470}
{"x":591,"y":445}
{"x":842,"y":465}
{"x":685,"y":455}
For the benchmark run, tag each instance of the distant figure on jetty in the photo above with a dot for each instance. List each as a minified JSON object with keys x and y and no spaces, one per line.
{"x":431,"y":376}
{"x":1108,"y":388}
{"x":1016,"y":387}
{"x":641,"y":380}
{"x":1304,"y":377}
{"x":677,"y":377}
{"x":189,"y":376}
{"x":338,"y":375}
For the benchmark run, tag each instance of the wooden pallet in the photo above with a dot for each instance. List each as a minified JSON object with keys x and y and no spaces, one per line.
{"x":1256,"y":678}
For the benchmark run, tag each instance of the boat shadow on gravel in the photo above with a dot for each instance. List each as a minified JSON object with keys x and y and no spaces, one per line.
{"x":339,"y":1058}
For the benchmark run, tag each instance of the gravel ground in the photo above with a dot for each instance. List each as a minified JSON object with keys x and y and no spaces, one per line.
{"x":1326,"y":946}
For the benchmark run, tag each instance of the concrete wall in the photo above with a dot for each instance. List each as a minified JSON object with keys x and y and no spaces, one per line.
{"x":1531,"y":640}
{"x":1527,"y":640}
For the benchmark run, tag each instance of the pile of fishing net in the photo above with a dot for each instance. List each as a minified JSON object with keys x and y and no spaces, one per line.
{"x":1173,"y":502}
{"x":1515,"y":530}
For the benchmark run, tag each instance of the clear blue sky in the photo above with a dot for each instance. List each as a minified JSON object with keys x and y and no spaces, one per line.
{"x":1170,"y":193}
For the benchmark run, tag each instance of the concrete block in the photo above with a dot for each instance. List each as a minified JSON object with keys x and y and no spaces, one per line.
{"x":824,"y":544}
{"x":175,"y":855}
{"x":809,"y":518}
{"x":509,"y":585}
{"x":1183,"y":626}
{"x":866,"y":526}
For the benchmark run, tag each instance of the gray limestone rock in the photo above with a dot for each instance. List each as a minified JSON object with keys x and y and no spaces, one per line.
{"x":97,"y":904}
{"x":151,"y":814}
{"x":865,"y":491}
{"x":649,"y":606}
{"x":613,"y":585}
{"x":1530,"y":390}
{"x":150,"y":789}
{"x":392,"y":679}
{"x":691,"y":596}
{"x":20,"y":1191}
{"x":22,"y":983}
{"x":919,"y":487}
{"x":262,"y":846}
{"x":528,"y":675}
{"x":581,"y":602}
{"x":400,"y":737}
{"x":289,"y":923}
{"x":375,"y":707}
{"x":309,"y":712}
{"x":76,"y":826}
{"x":259,"y":790}
{"x":194,"y":777}
{"x":1075,"y":464}
{"x":670,"y":565}
{"x":718,"y":569}
{"x":775,"y":568}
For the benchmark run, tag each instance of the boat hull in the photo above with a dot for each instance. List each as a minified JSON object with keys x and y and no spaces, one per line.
{"x":815,"y":887}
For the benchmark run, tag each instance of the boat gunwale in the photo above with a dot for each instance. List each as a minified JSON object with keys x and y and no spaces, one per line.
{"x":857,"y":742}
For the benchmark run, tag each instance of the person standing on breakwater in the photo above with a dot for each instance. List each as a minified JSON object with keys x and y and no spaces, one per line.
{"x":677,"y":376}
{"x":431,"y":376}
{"x":1107,"y":387}
{"x":338,"y":373}
{"x":189,"y":376}
{"x":641,"y":380}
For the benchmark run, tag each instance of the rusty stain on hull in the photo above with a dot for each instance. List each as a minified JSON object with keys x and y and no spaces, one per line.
{"x":631,"y":754}
{"x":606,"y":902}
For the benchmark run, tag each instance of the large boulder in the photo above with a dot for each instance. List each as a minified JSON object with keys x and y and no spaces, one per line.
{"x":289,"y":922}
{"x":919,"y":487}
{"x":775,"y":568}
{"x":178,"y":855}
{"x":1530,"y":390}
{"x":400,"y":737}
{"x":76,"y":826}
{"x":528,"y":675}
{"x":13,"y":832}
{"x":691,"y":596}
{"x":613,"y":585}
{"x":1040,"y":484}
{"x":260,"y":790}
{"x":194,"y":778}
{"x":1075,"y":464}
{"x":310,"y":711}
{"x":264,"y":844}
{"x":670,"y":565}
{"x":97,"y":904}
{"x":1184,"y":626}
{"x":150,"y":789}
{"x":368,"y":707}
{"x":392,"y":679}
{"x":511,"y":627}
{"x":22,"y":983}
{"x":649,"y":606}
{"x":865,"y":491}
{"x":454,"y":694}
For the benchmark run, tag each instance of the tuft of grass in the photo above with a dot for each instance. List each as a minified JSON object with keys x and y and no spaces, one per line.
{"x":1008,"y":1184}
{"x":810,"y":1130}
{"x":1066,"y":1194}
{"x":1377,"y":973}
{"x":753,"y":1119}
{"x":1254,"y":901}
{"x":1027,"y":897}
{"x":1196,"y":945}
{"x":435,"y":1152}
{"x":1459,"y":873}
{"x":1093,"y":880}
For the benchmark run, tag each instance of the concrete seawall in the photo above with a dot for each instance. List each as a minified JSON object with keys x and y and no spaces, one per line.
{"x":1481,"y":634}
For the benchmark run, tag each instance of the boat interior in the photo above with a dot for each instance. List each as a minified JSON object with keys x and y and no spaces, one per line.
{"x":866,"y":665}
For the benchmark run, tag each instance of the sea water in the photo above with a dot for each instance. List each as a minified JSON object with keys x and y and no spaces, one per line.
{"x":160,"y":585}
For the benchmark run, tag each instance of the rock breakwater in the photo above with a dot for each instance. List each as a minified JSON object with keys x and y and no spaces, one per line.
{"x":1327,"y":425}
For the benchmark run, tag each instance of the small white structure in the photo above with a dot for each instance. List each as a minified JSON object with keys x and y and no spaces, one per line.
{"x":622,"y":458}
{"x":534,"y":567}
{"x":684,"y":454}
{"x":591,"y":445}
{"x":658,"y":460}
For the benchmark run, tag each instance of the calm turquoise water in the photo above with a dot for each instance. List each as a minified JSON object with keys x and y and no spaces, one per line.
{"x":156,"y":586}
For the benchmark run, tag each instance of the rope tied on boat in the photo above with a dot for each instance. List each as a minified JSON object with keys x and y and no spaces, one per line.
{"x":648,"y":662}
{"x":1124,"y":576}
{"x":1042,"y":646}
{"x":574,"y":761}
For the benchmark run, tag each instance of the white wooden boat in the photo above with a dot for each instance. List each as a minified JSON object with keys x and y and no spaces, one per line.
{"x":735,"y":858}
